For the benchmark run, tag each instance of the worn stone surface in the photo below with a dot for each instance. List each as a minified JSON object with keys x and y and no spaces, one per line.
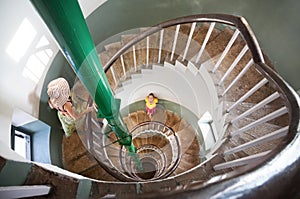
{"x":77,"y":159}
{"x":62,"y":185}
{"x":98,"y":173}
{"x":114,"y":190}
{"x":104,"y":58}
{"x":2,"y":162}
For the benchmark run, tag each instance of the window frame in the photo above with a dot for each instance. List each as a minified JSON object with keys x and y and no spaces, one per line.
{"x":28,"y":137}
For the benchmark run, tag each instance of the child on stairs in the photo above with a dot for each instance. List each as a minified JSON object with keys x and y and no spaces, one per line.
{"x":151,"y":102}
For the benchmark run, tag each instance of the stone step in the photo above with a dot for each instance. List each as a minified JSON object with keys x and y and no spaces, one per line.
{"x":77,"y":159}
{"x":113,"y":48}
{"x":104,"y":58}
{"x":187,"y":135}
{"x":217,"y":45}
{"x":267,"y":109}
{"x":198,"y":39}
{"x":201,"y":173}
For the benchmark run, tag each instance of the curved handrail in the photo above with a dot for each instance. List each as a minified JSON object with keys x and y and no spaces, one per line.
{"x":177,"y":161}
{"x":287,"y":93}
{"x":290,"y":98}
{"x":237,"y":21}
{"x":172,"y":167}
{"x":90,"y":145}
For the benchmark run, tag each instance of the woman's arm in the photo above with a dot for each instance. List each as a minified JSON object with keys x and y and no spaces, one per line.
{"x":68,"y":107}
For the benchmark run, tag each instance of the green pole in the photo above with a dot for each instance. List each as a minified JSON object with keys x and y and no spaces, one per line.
{"x":67,"y":24}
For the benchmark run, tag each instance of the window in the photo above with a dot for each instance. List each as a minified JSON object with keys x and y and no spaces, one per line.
{"x":35,"y":50}
{"x":18,"y":45}
{"x":21,"y":140}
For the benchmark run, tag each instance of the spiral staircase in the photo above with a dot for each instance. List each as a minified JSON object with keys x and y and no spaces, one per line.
{"x":253,"y":117}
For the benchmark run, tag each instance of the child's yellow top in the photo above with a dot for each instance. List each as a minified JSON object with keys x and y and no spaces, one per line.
{"x":153,"y":105}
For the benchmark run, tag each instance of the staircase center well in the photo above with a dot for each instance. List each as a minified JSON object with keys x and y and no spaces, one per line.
{"x":149,"y":167}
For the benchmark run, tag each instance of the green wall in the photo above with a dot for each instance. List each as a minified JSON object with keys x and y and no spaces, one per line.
{"x":275,"y":23}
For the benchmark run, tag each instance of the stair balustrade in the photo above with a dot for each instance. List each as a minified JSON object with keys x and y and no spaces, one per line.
{"x":260,"y":116}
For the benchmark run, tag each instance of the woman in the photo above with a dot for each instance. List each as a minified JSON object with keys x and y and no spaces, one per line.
{"x":59,"y":99}
{"x":151,"y":102}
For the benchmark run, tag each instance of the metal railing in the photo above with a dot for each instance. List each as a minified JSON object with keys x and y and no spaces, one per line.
{"x":166,"y":156}
{"x":260,"y":80}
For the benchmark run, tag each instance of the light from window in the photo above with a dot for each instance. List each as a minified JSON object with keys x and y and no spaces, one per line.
{"x":37,"y":62}
{"x":34,"y":69}
{"x":21,"y":40}
{"x":49,"y":52}
{"x":43,"y":42}
{"x":43,"y":57}
{"x":22,"y":144}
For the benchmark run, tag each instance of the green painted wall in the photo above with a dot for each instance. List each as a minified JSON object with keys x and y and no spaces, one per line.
{"x":275,"y":23}
{"x":14,"y":173}
{"x":40,"y":140}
